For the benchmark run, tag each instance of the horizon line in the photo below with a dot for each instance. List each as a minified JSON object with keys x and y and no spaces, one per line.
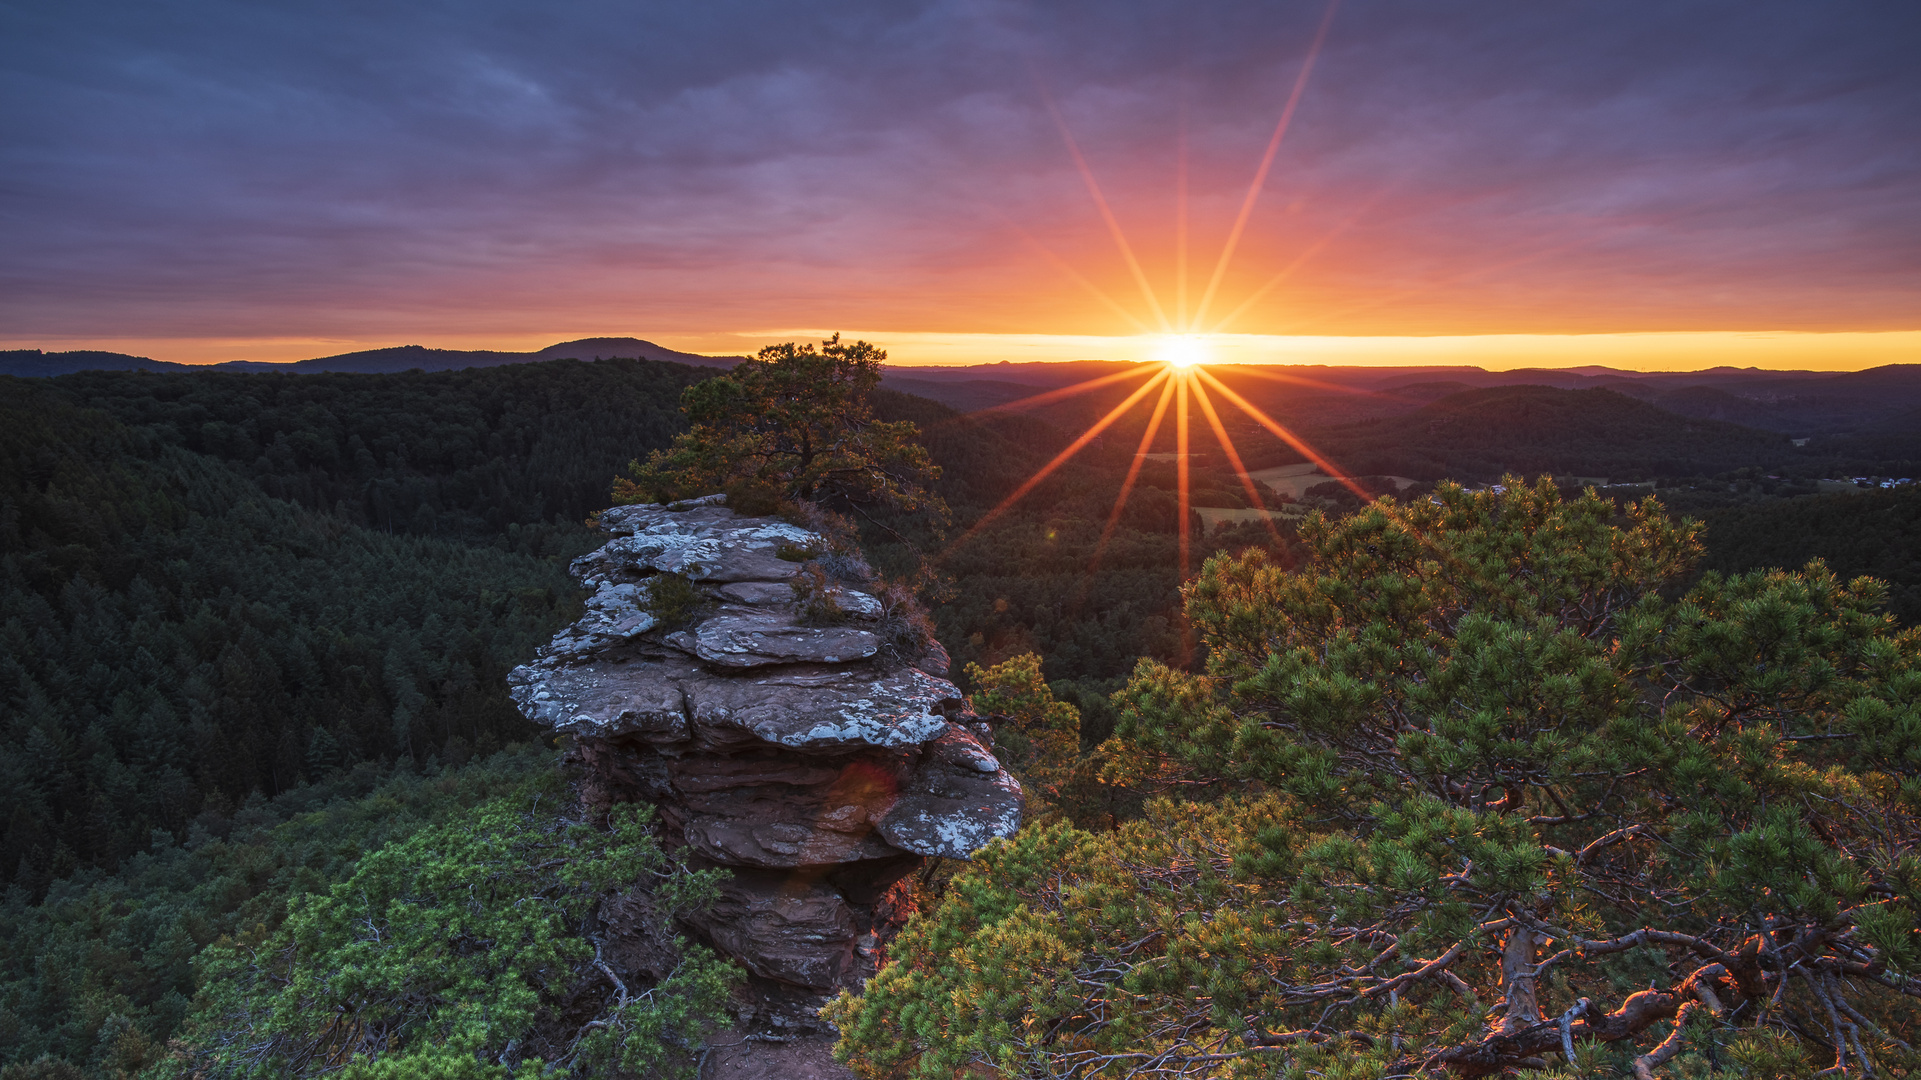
{"x":1669,"y":351}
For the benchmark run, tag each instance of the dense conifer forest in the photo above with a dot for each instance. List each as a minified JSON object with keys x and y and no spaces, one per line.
{"x":256,"y":625}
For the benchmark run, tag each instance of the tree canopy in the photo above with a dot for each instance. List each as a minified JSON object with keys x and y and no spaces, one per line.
{"x":1486,"y":786}
{"x":794,"y":422}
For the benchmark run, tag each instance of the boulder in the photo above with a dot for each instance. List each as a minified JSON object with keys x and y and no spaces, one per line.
{"x":958,"y":799}
{"x":763,"y":639}
{"x":818,"y":763}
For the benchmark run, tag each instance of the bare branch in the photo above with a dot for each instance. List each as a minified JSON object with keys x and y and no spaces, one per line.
{"x":1644,"y":1065}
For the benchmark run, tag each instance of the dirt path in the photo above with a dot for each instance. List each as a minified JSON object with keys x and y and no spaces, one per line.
{"x":807,"y":1057}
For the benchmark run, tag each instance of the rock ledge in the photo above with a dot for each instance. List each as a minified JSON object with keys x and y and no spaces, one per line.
{"x":819,"y":763}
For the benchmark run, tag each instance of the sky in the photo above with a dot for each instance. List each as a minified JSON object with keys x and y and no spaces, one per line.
{"x":1668,"y":184}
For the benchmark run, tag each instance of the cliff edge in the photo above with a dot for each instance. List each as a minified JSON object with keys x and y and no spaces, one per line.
{"x":785,"y":720}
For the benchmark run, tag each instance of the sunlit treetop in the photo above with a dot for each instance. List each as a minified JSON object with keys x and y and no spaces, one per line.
{"x":794,"y":422}
{"x":1491,"y":784}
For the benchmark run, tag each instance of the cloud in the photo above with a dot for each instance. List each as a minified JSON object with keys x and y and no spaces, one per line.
{"x":224,"y":169}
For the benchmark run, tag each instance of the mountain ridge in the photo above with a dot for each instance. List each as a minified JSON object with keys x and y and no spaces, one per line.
{"x":1797,"y":403}
{"x":33,"y":363}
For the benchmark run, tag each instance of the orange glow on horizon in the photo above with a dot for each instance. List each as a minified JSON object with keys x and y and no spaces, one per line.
{"x":1267,"y":162}
{"x":1767,"y":348}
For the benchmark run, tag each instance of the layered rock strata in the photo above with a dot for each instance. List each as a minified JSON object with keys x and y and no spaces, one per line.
{"x":819,"y":763}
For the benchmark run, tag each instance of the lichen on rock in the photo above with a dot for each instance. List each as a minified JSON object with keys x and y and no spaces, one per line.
{"x":814,"y":761}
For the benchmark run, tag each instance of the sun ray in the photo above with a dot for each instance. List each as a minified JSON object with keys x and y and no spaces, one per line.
{"x":1267,"y":163}
{"x":1107,"y":214}
{"x":1451,"y":279}
{"x":1133,"y":472}
{"x":1299,"y":261}
{"x":1302,"y":380}
{"x":1081,"y":279}
{"x":1297,"y":380}
{"x":1059,"y":459}
{"x":1234,"y":458}
{"x":1182,"y":377}
{"x":1180,"y":223}
{"x":1048,"y":396}
{"x":1288,"y":437}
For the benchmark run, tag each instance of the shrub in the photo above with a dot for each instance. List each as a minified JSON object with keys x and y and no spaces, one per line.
{"x":750,"y":498}
{"x":1038,"y":738}
{"x":904,"y":628}
{"x":454,"y":953}
{"x":793,"y":552}
{"x":814,"y":600}
{"x":674,"y":599}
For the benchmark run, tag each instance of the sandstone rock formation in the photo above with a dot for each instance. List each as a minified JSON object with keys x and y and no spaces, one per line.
{"x":819,"y":763}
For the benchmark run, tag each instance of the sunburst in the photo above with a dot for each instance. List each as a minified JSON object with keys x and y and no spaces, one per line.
{"x":1183,"y":350}
{"x":1183,"y":347}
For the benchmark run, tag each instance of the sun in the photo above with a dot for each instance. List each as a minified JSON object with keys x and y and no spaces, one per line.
{"x":1177,"y":384}
{"x":1182,"y":350}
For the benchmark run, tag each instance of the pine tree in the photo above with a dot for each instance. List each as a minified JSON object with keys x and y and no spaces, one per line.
{"x":793,"y":423}
{"x":1487,"y":786}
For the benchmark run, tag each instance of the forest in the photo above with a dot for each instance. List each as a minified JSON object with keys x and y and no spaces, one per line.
{"x":257,"y":625}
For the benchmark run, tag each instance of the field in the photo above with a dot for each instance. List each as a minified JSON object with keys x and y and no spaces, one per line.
{"x":1294,"y":480}
{"x":1213,"y":517}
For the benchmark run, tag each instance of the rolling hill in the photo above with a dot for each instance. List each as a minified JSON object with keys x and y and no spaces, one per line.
{"x":1481,"y":434}
{"x":34,"y":363}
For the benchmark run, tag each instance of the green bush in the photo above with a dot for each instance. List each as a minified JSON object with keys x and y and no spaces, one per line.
{"x":792,"y":552}
{"x":749,"y":498}
{"x":100,"y":974}
{"x":814,"y":600}
{"x":674,"y":600}
{"x":455,"y":952}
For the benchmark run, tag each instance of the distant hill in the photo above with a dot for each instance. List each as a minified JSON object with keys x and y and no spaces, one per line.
{"x":966,"y":395}
{"x":1871,"y":533}
{"x":1481,"y":434}
{"x":34,"y":363}
{"x":1797,"y":403}
{"x":410,"y":357}
{"x":1873,"y":404}
{"x":1427,"y":391}
{"x":1853,"y":401}
{"x":1793,"y":402}
{"x":1043,"y":375}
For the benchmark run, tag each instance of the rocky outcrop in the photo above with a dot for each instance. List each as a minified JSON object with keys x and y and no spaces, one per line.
{"x":819,"y":763}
